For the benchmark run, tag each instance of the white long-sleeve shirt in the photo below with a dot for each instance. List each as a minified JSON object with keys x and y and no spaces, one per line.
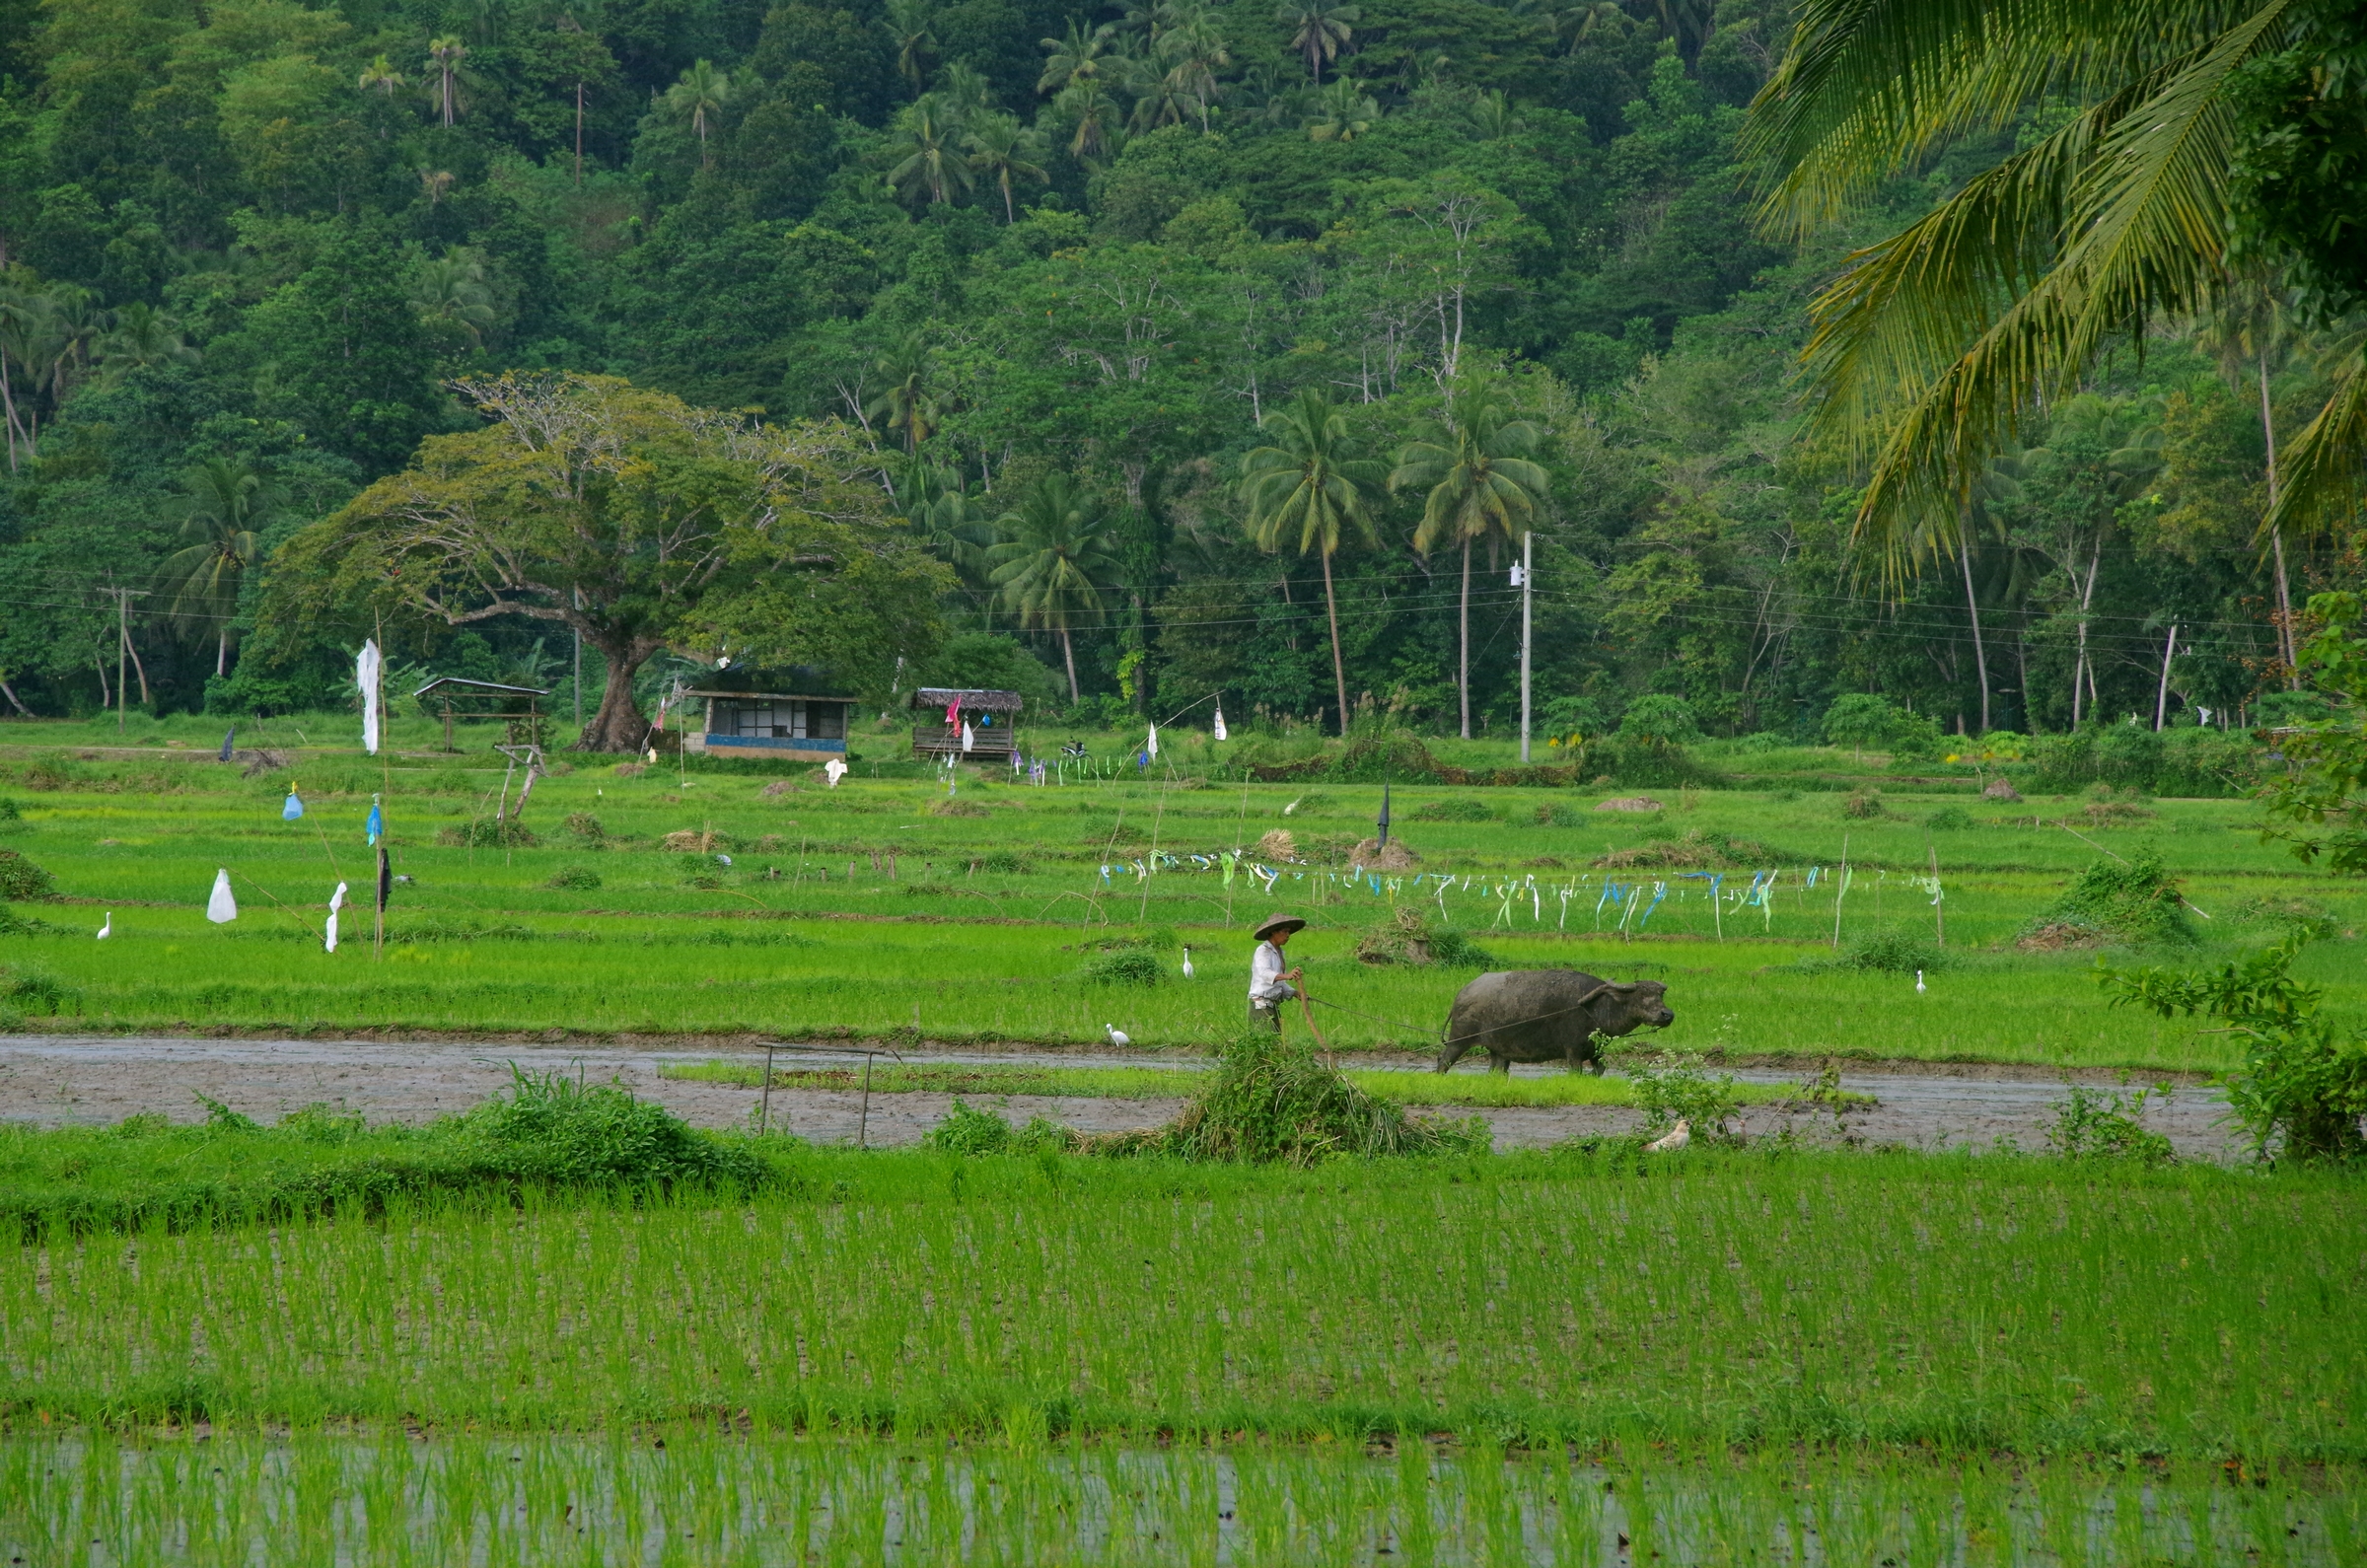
{"x":1266,"y":975}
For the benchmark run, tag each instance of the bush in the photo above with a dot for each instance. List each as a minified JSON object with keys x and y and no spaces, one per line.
{"x":552,"y":1128}
{"x":1948,"y":819}
{"x":1004,"y":863}
{"x":1864,"y":806}
{"x":10,"y":811}
{"x":576,"y":878}
{"x":1411,"y":940}
{"x":1660,"y":721}
{"x":2302,"y":1090}
{"x":969,"y":1131}
{"x":587,"y":827}
{"x":2134,"y":901}
{"x":1670,"y":1087}
{"x":1861,"y":719}
{"x":22,"y":879}
{"x":484,"y":833}
{"x":1553,"y":814}
{"x":1126,"y":967}
{"x":1891,"y":952}
{"x":1273,"y":1102}
{"x":2099,"y":1126}
{"x":1453,"y":808}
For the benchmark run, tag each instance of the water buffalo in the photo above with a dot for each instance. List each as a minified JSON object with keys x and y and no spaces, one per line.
{"x":1547,"y":1016}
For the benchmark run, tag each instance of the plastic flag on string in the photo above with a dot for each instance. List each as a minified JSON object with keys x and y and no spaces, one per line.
{"x":969,"y":738}
{"x":834,"y":770}
{"x":1150,"y":748}
{"x":1660,"y":890}
{"x":365,"y":672}
{"x":1229,"y":858}
{"x":223,"y":908}
{"x":1218,"y":732}
{"x":953,"y":714}
{"x":292,"y":809}
{"x":376,"y":827}
{"x":227,"y":738}
{"x":336,"y":901}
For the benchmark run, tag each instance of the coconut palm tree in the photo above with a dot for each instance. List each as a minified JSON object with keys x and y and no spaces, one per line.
{"x":1479,"y":483}
{"x":1004,"y":150}
{"x":698,"y":97}
{"x":1055,"y":562}
{"x":925,"y":146}
{"x":907,"y":404}
{"x":912,"y":24}
{"x":452,"y":289}
{"x":381,"y":74}
{"x":1309,"y":481}
{"x":446,"y":56}
{"x":1320,"y":30}
{"x":143,"y":336}
{"x":1935,"y":345}
{"x":1342,"y":112}
{"x":1079,"y":56}
{"x":226,"y":504}
{"x":1096,"y":114}
{"x":2249,"y":331}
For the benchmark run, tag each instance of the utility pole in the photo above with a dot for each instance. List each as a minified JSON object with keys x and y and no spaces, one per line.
{"x":123,"y":598}
{"x":1522,"y":575}
{"x":578,"y":632}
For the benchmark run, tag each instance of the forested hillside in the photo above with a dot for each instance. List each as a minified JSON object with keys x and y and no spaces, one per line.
{"x":1441,"y":271}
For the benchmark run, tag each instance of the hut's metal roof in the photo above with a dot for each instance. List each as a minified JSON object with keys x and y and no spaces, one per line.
{"x":986,"y":701}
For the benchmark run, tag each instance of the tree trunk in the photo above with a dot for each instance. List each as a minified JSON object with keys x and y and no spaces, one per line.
{"x":2087,"y":595}
{"x":1980,"y":657}
{"x":138,"y":667}
{"x":106,"y":693}
{"x":2287,"y":648}
{"x":619,"y":726}
{"x":1463,"y":660}
{"x":1340,"y":675}
{"x":14,"y":700}
{"x":1068,"y":652}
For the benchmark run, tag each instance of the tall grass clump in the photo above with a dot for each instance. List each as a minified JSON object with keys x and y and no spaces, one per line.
{"x":555,"y":1129}
{"x":2134,"y":901}
{"x":1271,"y":1102}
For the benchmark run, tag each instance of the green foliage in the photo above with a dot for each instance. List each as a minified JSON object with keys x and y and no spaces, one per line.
{"x":967,"y":1130}
{"x":2089,"y":1125}
{"x":19,"y":878}
{"x":1453,"y":808}
{"x":2317,"y":801}
{"x":1671,"y":1086}
{"x":1273,"y":1103}
{"x":486,"y":834}
{"x":1948,"y":819}
{"x":1861,"y":719}
{"x":30,"y":986}
{"x":1127,"y":967}
{"x":2303,"y":1086}
{"x":552,"y":1128}
{"x":575,"y":878}
{"x":1895,"y":951}
{"x":2134,"y":900}
{"x":1660,"y":721}
{"x":1410,"y":939}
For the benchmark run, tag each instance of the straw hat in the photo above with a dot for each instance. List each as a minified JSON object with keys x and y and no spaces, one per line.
{"x":1280,"y":922}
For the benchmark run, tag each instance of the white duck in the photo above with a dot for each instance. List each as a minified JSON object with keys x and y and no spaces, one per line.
{"x":1187,"y":963}
{"x":1676,"y":1139}
{"x":1117,"y":1036}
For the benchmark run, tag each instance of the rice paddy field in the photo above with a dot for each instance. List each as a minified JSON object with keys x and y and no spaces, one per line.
{"x":1585,"y":1355}
{"x":973,"y":910}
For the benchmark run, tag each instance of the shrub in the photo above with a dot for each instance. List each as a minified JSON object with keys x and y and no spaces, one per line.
{"x":1553,"y":814}
{"x":552,"y":1128}
{"x":1948,"y":819}
{"x":1861,"y":719}
{"x":1892,"y":951}
{"x":1411,"y":940}
{"x":586,"y":827}
{"x":1004,"y":862}
{"x":1271,"y":1102}
{"x":1126,"y":967}
{"x":967,"y":1130}
{"x":1670,"y":1087}
{"x":1453,"y":808}
{"x":2099,"y":1126}
{"x":22,"y":879}
{"x":1864,"y":806}
{"x":13,"y":924}
{"x":2303,"y":1086}
{"x":509,"y":833}
{"x":576,"y":878}
{"x":1660,"y":720}
{"x":8,"y":810}
{"x":2132,"y":900}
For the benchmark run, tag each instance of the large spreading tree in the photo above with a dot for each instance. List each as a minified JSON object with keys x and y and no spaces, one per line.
{"x":640,"y":522}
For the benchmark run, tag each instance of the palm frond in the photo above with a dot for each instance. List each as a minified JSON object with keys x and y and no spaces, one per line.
{"x":2323,"y":479}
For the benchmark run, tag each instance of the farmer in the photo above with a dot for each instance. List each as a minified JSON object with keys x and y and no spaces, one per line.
{"x":1270,"y":981}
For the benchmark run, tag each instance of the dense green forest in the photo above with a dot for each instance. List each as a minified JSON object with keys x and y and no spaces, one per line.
{"x":1164,"y":340}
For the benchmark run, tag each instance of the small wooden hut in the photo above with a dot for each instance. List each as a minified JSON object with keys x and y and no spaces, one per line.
{"x":993,"y":718}
{"x":518,"y":708}
{"x":798,"y":715}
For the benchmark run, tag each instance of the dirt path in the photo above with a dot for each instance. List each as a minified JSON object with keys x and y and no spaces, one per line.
{"x":53,"y":1079}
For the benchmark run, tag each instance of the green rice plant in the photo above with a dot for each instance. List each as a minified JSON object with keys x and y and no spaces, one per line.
{"x":485,"y":833}
{"x":970,"y":1132}
{"x":32,"y":988}
{"x":1452,"y":809}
